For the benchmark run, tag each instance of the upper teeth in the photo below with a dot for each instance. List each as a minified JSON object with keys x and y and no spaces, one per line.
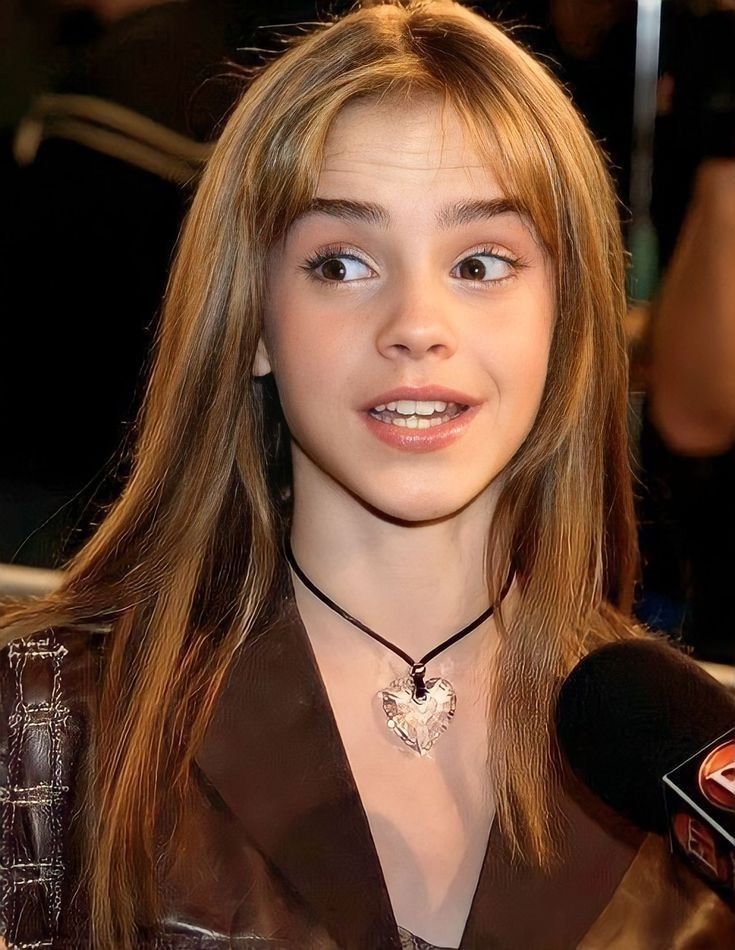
{"x":409,"y":407}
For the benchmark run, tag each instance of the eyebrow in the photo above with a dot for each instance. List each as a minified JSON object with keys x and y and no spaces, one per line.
{"x":450,"y":216}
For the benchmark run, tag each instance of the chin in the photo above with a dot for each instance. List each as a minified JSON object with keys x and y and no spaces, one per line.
{"x":417,"y":507}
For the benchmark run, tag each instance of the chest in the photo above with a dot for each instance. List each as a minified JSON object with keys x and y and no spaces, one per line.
{"x":430,"y":837}
{"x":429,"y":816}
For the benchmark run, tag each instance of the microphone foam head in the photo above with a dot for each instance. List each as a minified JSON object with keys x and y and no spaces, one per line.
{"x":630,"y":712}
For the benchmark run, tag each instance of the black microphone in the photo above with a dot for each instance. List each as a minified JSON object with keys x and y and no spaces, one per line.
{"x":653,"y":736}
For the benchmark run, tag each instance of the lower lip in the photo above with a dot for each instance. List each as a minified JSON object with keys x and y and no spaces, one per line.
{"x":422,"y":440}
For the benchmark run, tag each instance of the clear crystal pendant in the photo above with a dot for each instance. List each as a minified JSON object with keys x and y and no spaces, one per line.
{"x":419,"y":712}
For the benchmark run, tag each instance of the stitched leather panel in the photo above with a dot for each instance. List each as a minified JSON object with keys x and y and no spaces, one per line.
{"x":32,"y":810}
{"x":40,"y":733}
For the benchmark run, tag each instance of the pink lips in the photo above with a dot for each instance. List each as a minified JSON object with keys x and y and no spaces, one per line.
{"x":422,"y":440}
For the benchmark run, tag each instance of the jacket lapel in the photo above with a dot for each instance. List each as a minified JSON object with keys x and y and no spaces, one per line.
{"x":517,"y":906}
{"x":275,"y":756}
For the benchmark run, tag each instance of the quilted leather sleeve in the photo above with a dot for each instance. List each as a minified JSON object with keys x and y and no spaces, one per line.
{"x":47,"y":683}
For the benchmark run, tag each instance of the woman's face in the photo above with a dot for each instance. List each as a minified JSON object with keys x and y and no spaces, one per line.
{"x":409,"y":318}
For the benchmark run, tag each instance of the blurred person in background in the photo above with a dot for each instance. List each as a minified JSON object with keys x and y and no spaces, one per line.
{"x":687,"y":451}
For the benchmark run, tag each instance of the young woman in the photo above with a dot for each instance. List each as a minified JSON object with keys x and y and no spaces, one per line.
{"x":297,"y":690}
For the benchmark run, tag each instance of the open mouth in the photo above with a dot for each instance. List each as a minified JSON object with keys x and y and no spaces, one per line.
{"x":415,"y":414}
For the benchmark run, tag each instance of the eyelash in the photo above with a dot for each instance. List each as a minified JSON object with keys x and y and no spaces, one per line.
{"x":312,"y":264}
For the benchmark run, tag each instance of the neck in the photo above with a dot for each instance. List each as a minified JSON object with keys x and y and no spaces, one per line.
{"x":413,"y":584}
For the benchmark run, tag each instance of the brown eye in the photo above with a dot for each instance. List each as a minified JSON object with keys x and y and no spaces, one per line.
{"x":484,"y":268}
{"x":334,"y":269}
{"x":472,"y":269}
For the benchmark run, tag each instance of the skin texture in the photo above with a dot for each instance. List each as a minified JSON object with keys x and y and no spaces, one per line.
{"x":408,"y":312}
{"x":692,"y":384}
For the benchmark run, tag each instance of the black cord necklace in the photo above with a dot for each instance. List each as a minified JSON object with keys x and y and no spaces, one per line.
{"x":418,"y":711}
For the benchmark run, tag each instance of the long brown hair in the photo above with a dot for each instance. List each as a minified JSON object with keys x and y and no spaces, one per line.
{"x":185,"y":564}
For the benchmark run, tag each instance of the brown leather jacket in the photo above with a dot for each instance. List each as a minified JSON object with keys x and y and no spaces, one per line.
{"x":279,"y":853}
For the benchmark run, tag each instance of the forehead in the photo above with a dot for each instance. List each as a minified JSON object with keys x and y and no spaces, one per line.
{"x":417,"y":144}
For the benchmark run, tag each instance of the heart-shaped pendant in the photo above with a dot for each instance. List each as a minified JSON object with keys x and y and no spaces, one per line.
{"x":419,"y":724}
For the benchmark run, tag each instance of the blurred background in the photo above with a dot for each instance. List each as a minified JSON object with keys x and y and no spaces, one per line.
{"x":108,"y":109}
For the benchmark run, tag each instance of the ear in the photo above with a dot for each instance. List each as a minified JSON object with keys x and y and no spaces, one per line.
{"x":261,"y":363}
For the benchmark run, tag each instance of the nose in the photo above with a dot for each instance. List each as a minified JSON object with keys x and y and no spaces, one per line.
{"x":417,"y":324}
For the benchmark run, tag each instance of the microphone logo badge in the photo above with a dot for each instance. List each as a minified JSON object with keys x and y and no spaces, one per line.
{"x":717,"y":776}
{"x":699,"y":844}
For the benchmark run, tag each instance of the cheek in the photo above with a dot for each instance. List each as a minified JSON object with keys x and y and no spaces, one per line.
{"x":310,"y":370}
{"x":294,"y":343}
{"x":314,"y":348}
{"x":530,"y":369}
{"x":518,"y":359}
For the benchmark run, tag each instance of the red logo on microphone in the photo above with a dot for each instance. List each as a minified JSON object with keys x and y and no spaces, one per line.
{"x":700,"y":847}
{"x":717,"y":776}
